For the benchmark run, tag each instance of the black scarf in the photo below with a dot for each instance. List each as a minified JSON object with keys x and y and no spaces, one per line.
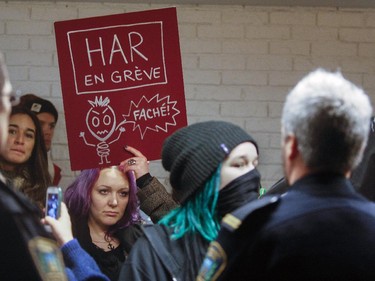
{"x":238,"y":192}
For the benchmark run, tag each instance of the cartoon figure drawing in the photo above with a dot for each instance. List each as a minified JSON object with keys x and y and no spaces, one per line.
{"x":101,"y":123}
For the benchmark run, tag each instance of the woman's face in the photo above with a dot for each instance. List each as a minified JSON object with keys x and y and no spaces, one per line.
{"x":21,"y":139}
{"x":109,"y":198}
{"x":242,"y":159}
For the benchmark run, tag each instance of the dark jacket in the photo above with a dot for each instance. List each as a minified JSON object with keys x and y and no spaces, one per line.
{"x":155,"y":256}
{"x":20,"y":224}
{"x":321,"y":229}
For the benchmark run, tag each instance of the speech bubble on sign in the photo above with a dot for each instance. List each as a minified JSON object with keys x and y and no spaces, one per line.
{"x":152,"y":114}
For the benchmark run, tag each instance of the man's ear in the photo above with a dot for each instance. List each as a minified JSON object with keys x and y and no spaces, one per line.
{"x":291,"y":147}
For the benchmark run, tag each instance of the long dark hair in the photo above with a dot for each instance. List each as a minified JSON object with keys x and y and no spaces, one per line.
{"x":35,"y":169}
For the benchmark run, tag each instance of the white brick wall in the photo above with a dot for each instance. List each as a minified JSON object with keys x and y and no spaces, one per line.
{"x":239,"y":61}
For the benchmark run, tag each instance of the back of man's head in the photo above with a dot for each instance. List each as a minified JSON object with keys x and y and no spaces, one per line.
{"x":329,"y":117}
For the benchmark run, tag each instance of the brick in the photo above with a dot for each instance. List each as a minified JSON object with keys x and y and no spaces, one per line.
{"x":197,"y":16}
{"x":43,"y":43}
{"x":245,"y":47}
{"x":263,"y":125}
{"x":14,"y":12}
{"x":357,"y":35}
{"x":340,"y":19}
{"x":244,"y":109}
{"x":271,"y":172}
{"x":271,"y":156}
{"x":290,"y":47}
{"x":190,"y":61}
{"x":275,"y":109}
{"x":244,"y":78}
{"x":369,"y":81}
{"x":370,"y":19}
{"x":268,"y":32}
{"x":56,"y":89}
{"x":10,"y":42}
{"x":275,"y":140}
{"x":202,"y":77}
{"x":97,"y":10}
{"x":366,"y":49}
{"x":356,"y":78}
{"x":355,"y":64}
{"x":315,"y":33}
{"x":309,"y":63}
{"x":44,"y":73}
{"x":60,"y":133}
{"x":248,"y":17}
{"x":222,"y":61}
{"x":333,"y":48}
{"x":53,"y":13}
{"x":18,"y":73}
{"x":187,"y":30}
{"x":31,"y":58}
{"x":218,"y":93}
{"x":29,"y":28}
{"x":221,"y":31}
{"x":37,"y":88}
{"x":265,"y":93}
{"x":191,"y":46}
{"x":269,"y":62}
{"x":203,"y":108}
{"x":295,"y":17}
{"x":284,"y":78}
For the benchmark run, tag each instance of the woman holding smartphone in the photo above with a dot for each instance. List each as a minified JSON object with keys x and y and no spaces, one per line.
{"x":104,"y":208}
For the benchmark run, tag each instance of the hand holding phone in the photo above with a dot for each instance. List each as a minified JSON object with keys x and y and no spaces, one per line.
{"x":53,"y":201}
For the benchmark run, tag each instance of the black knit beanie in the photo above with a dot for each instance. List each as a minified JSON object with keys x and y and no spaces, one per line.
{"x":38,"y":105}
{"x":192,"y":154}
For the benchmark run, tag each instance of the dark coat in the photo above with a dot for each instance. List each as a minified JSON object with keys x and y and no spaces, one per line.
{"x":19,"y":224}
{"x":321,"y":229}
{"x":155,"y":256}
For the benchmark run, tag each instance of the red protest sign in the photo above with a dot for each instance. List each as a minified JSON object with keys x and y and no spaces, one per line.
{"x":122,"y":84}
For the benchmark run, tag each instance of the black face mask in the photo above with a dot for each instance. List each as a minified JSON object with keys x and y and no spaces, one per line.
{"x":238,"y":192}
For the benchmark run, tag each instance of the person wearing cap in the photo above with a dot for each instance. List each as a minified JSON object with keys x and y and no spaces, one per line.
{"x":48,"y":116}
{"x":213,"y":171}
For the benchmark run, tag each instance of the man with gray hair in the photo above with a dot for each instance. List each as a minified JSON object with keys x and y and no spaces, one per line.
{"x":320,"y":229}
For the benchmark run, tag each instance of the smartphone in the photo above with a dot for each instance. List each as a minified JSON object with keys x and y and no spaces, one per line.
{"x":53,"y":201}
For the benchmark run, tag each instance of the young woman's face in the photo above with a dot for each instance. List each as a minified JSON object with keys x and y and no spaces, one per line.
{"x":109,"y":198}
{"x":242,"y":159}
{"x":21,"y":139}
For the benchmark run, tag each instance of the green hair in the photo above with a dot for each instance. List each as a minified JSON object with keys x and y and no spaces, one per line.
{"x":198,"y":214}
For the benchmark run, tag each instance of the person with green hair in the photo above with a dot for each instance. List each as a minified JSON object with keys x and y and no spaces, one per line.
{"x":213,"y":171}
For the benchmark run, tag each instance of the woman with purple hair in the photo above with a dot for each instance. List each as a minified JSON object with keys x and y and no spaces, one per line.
{"x":104,"y":209}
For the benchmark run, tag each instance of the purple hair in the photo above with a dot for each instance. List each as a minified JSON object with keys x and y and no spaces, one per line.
{"x":78,"y":199}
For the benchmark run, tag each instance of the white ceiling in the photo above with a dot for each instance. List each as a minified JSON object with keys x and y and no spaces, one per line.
{"x":304,"y":3}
